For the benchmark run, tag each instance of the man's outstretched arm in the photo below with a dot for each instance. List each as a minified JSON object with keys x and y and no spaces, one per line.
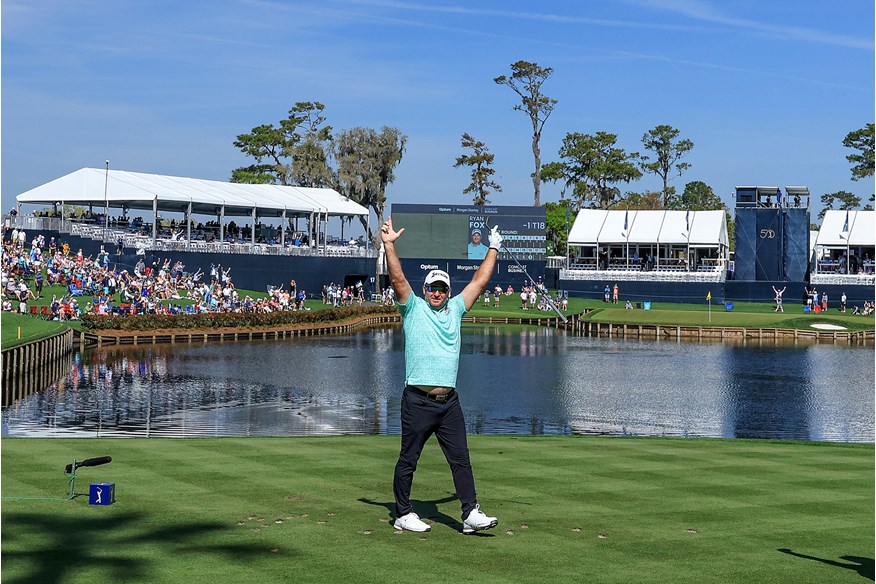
{"x":396,"y":275}
{"x":482,"y":276}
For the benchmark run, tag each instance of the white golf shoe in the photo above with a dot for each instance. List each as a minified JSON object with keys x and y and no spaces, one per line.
{"x":477,"y":520}
{"x":411,"y":522}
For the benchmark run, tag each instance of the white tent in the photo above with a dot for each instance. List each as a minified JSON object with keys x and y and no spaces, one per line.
{"x":701,"y":228}
{"x":136,"y":190}
{"x":622,"y":238}
{"x":847,"y":228}
{"x":121,"y":189}
{"x":846,"y":244}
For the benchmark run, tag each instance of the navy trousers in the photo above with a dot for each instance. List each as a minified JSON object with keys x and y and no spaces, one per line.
{"x":420,"y":418}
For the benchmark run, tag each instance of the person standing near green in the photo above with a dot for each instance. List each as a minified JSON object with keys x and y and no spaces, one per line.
{"x":430,"y":403}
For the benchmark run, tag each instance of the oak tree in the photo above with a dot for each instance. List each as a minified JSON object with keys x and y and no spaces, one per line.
{"x":366,"y":162}
{"x":668,"y":150}
{"x":698,"y":196}
{"x":590,"y":166}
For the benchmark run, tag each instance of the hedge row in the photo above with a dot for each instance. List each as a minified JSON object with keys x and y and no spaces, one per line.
{"x":145,"y":322}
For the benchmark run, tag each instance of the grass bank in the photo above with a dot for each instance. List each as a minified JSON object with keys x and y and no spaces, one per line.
{"x":743,"y":314}
{"x":31,"y":329}
{"x":571,"y":509}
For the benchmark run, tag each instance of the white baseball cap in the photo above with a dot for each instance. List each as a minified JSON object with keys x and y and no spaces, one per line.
{"x":437,"y":276}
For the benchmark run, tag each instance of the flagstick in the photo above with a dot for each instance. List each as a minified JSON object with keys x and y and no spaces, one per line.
{"x":709,"y":299}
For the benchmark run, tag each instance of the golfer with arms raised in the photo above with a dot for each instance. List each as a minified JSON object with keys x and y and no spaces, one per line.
{"x":430,"y":404}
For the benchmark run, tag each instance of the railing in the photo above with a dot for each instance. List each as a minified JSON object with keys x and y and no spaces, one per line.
{"x":556,"y":261}
{"x":110,"y":236}
{"x":842,"y":279}
{"x":633,"y":266}
{"x":635,"y":275}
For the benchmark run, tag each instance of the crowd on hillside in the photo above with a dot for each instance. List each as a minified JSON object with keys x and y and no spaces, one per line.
{"x":99,"y":286}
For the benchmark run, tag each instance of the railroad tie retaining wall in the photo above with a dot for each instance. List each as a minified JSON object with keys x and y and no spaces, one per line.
{"x":34,"y":365}
{"x":150,"y":338}
{"x":734,"y":334}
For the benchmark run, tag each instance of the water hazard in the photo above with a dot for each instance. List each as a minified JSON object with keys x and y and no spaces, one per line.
{"x":513,"y":380}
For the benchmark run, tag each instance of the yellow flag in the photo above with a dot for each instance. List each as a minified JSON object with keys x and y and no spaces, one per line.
{"x":709,"y":295}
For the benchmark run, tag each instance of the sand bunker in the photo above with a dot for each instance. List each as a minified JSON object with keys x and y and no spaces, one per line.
{"x":828,"y":327}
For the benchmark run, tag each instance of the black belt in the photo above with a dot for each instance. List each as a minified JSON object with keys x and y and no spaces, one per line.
{"x":440,"y":398}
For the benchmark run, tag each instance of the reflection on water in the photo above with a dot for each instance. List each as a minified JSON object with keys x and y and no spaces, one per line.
{"x":517,"y":380}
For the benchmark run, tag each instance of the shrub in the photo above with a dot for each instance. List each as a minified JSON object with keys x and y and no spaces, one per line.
{"x":209,"y":320}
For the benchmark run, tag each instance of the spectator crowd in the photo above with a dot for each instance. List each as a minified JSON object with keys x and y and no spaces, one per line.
{"x":96,"y":285}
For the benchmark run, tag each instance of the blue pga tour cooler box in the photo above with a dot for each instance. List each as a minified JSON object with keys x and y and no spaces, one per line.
{"x":102,"y":494}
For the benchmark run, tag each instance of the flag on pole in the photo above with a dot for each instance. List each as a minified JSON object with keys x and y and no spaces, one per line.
{"x":687,"y":220}
{"x":846,"y":224}
{"x":709,"y":298}
{"x":626,"y":219}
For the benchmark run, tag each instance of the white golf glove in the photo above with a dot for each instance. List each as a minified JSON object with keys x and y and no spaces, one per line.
{"x":495,"y":238}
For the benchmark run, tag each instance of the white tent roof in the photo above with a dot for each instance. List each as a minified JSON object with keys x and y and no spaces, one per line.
{"x":705,"y":224}
{"x":613,"y":227}
{"x":861,"y":229}
{"x":135,"y":190}
{"x":645,"y":228}
{"x":699,"y":228}
{"x":676,"y":225}
{"x":587,"y":229}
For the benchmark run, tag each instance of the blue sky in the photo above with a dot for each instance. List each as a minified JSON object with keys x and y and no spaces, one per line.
{"x":766,"y":90}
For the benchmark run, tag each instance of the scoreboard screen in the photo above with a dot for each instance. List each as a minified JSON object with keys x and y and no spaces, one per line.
{"x":459,"y":232}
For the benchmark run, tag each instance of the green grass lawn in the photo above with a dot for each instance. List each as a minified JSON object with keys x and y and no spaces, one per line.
{"x":744,"y":314}
{"x":17,"y":329}
{"x":571,"y":509}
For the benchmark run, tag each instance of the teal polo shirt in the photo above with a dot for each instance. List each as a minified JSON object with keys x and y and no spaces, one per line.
{"x":432,"y":341}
